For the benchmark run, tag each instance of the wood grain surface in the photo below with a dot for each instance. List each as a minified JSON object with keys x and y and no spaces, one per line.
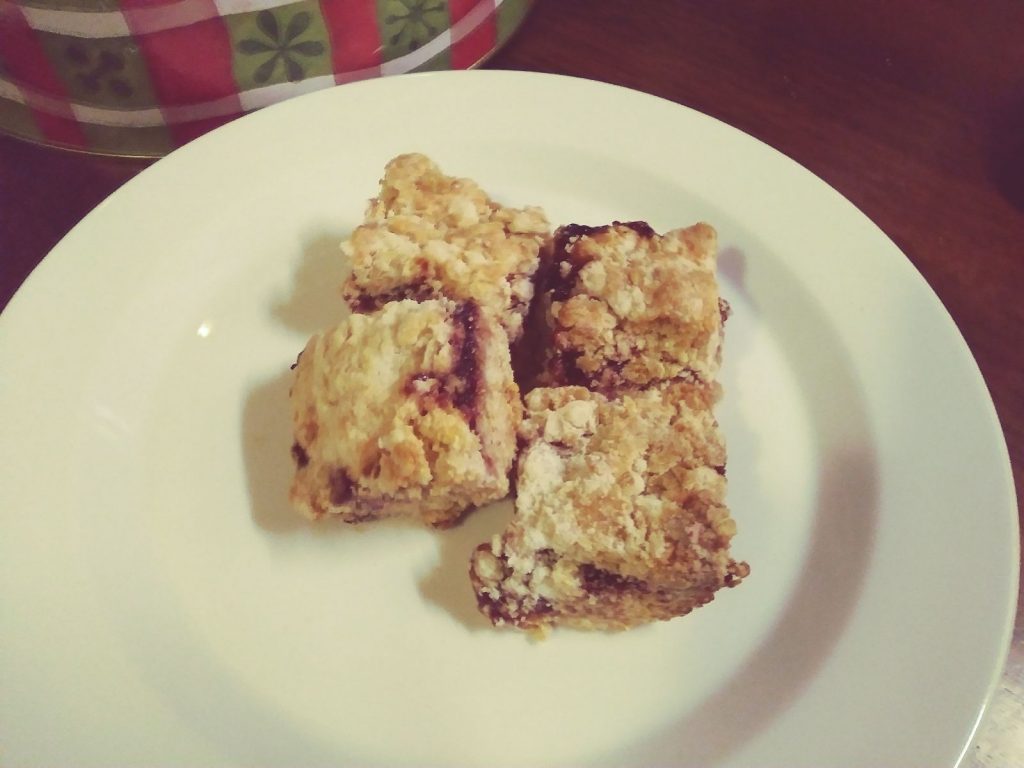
{"x":913,"y":111}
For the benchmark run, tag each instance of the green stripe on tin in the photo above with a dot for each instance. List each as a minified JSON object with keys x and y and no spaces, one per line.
{"x":16,"y":119}
{"x":406,"y":25}
{"x":116,"y":140}
{"x":101,"y":71}
{"x":287,"y":43}
{"x":510,"y":15}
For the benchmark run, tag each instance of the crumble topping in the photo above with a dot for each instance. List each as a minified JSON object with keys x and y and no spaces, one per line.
{"x":411,"y":407}
{"x":429,"y":235}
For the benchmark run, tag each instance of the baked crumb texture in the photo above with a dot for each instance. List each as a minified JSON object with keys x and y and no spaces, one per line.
{"x":620,"y":486}
{"x":620,"y":515}
{"x":428,"y":235}
{"x":626,"y":307}
{"x":409,"y":410}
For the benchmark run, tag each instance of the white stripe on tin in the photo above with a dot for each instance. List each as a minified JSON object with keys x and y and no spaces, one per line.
{"x":11,"y":92}
{"x":142,"y":21}
{"x":77,"y":23}
{"x":271,"y":94}
{"x":359,"y":74}
{"x":228,"y":7}
{"x":38,"y":101}
{"x":118,"y":118}
{"x":228,"y":105}
{"x":147,"y":117}
{"x":155,"y":116}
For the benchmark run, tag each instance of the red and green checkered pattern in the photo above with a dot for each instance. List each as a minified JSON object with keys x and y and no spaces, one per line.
{"x":143,"y":76}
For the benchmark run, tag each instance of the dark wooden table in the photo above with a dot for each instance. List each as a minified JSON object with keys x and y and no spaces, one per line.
{"x":914,"y":111}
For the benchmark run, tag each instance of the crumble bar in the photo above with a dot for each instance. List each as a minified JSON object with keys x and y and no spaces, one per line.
{"x":410,"y":410}
{"x":429,"y":235}
{"x":624,"y":306}
{"x":620,"y":518}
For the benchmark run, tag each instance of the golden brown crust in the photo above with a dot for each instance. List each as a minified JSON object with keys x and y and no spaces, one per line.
{"x":428,"y":235}
{"x":410,"y":410}
{"x":409,"y":406}
{"x":620,"y":509}
{"x":620,"y":514}
{"x":627,"y":307}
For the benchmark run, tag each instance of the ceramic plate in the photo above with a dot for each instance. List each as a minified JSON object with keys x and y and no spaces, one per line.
{"x":160,"y":605}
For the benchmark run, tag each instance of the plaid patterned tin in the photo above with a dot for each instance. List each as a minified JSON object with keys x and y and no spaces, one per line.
{"x":140,"y":77}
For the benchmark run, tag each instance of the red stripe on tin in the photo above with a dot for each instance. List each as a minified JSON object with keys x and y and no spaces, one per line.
{"x":190,"y":64}
{"x":474,"y":31}
{"x":354,"y":32}
{"x":26,"y":62}
{"x":144,"y":17}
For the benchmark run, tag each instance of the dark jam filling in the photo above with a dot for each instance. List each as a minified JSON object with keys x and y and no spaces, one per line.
{"x":366,"y":302}
{"x":597,"y":581}
{"x":466,"y":370}
{"x":495,"y":610}
{"x":461,"y":388}
{"x":541,"y":608}
{"x":515,"y":613}
{"x":343,"y":491}
{"x":642,"y":228}
{"x":560,"y":285}
{"x":724,"y":310}
{"x":564,"y":371}
{"x":519,"y":612}
{"x":300,"y":455}
{"x":569,"y":231}
{"x":527,"y":360}
{"x":340,"y":487}
{"x":561,"y":274}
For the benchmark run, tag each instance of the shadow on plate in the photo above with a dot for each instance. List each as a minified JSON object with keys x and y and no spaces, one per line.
{"x":841,"y":540}
{"x":266,"y":441}
{"x":448,"y":584}
{"x":266,"y":445}
{"x":269,"y":467}
{"x":313,"y":304}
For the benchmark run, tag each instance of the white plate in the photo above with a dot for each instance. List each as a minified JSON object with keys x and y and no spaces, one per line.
{"x":159,"y":604}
